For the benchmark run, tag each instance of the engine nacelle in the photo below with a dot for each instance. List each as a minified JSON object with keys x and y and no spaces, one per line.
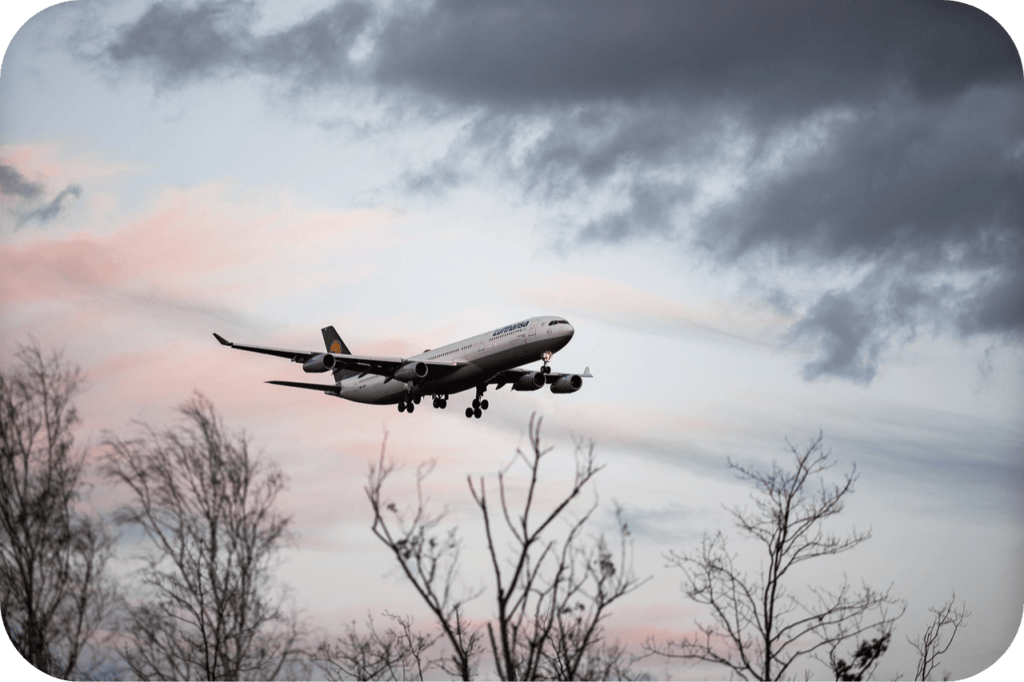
{"x":414,"y":371}
{"x":319,"y":363}
{"x":570,"y":383}
{"x":530,"y":381}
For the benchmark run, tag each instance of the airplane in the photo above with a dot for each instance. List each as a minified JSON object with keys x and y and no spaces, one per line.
{"x":492,"y":358}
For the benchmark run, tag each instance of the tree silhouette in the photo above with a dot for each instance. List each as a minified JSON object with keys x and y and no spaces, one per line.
{"x":207,"y":507}
{"x":54,"y":596}
{"x":552,"y":591}
{"x":759,"y":627}
{"x":938,"y":636}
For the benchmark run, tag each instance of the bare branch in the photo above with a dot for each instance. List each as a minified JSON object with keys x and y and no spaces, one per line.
{"x":207,"y":506}
{"x":428,"y":558}
{"x":54,"y":596}
{"x":758,"y":628}
{"x":396,"y":654}
{"x":552,"y":589}
{"x":938,"y":636}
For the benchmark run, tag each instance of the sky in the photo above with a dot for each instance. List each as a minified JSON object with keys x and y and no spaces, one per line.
{"x":763,"y":220}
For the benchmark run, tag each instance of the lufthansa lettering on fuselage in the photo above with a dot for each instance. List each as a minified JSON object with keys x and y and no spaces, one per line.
{"x":511,"y":327}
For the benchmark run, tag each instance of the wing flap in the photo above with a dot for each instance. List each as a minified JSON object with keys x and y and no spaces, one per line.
{"x":326,"y":388}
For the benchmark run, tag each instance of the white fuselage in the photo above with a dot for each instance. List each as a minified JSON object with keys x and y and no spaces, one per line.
{"x":485,"y":355}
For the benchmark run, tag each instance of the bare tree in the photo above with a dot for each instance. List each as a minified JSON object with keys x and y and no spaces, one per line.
{"x":938,"y":636}
{"x":54,"y":596}
{"x":759,"y":627}
{"x":552,"y":592}
{"x":429,"y":558}
{"x":207,"y":507}
{"x":398,"y":653}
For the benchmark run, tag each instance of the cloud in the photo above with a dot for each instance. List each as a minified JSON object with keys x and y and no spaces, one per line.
{"x":53,"y":209}
{"x":186,"y":260}
{"x":215,"y":39}
{"x":14,"y":184}
{"x":780,"y":140}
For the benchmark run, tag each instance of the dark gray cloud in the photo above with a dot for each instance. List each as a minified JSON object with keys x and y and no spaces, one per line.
{"x":50,"y":211}
{"x":27,"y":193}
{"x":906,"y":122}
{"x":14,"y":184}
{"x":180,"y":44}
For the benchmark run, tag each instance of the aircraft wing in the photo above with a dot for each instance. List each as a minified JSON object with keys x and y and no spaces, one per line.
{"x":293,"y":355}
{"x":510,"y":376}
{"x":374,"y":364}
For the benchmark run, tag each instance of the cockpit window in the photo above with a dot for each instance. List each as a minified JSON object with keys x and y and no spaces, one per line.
{"x":554,"y":322}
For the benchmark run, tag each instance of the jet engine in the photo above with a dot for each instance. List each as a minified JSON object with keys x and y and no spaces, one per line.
{"x":319,"y":363}
{"x":414,"y":371}
{"x":570,"y":383}
{"x":530,"y":381}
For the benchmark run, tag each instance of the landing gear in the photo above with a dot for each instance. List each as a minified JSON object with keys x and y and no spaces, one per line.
{"x":406,"y":407}
{"x":479,"y":404}
{"x":545,"y":368}
{"x":441,"y":401}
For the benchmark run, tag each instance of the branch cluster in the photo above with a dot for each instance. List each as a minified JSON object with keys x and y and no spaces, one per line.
{"x":53,"y":594}
{"x":938,"y":636}
{"x":398,"y":653}
{"x":758,"y":628}
{"x":551,"y":593}
{"x":206,"y":506}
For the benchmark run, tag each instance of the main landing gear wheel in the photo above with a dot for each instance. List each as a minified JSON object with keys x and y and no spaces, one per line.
{"x":406,"y":407}
{"x":479,"y":404}
{"x":401,"y":407}
{"x":440,"y":402}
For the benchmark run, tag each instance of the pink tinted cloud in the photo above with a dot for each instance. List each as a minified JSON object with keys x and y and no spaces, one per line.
{"x":186,"y":239}
{"x":55,"y":166}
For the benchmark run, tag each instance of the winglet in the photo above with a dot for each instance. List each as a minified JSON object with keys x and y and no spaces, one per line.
{"x":586,"y":373}
{"x":223,"y":341}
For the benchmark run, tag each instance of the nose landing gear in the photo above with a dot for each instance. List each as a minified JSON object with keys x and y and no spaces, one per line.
{"x":546,"y":368}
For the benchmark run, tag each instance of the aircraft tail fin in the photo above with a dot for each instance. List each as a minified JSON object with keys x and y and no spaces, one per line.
{"x":334,"y":344}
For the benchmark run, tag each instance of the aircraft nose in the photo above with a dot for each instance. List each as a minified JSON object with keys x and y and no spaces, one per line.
{"x":570,"y":330}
